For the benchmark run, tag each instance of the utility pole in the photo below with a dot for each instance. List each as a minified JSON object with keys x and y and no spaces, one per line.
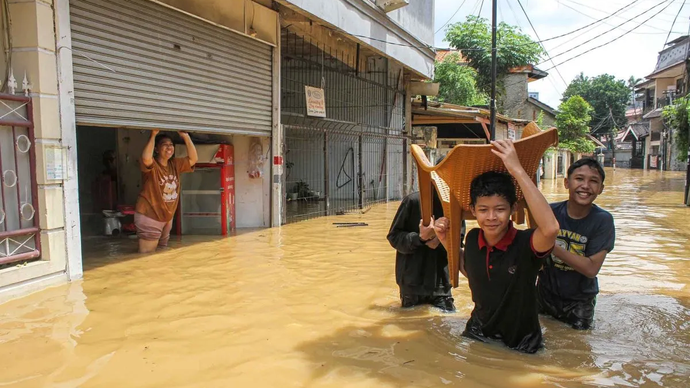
{"x":494,"y":63}
{"x":687,"y":178}
{"x":687,"y":87}
{"x":612,"y":135}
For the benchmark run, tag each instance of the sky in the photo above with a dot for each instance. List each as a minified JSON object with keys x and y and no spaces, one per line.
{"x":635,"y":54}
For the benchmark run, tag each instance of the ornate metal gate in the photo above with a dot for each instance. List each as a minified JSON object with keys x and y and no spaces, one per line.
{"x":19,"y":231}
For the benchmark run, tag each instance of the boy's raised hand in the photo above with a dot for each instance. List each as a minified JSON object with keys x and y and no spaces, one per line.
{"x":505,"y":150}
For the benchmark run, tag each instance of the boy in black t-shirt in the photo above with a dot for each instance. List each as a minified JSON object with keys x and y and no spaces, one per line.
{"x":502,"y":262}
{"x":568,"y":284}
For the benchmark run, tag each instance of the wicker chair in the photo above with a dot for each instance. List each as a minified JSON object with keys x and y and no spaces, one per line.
{"x":452,"y":178}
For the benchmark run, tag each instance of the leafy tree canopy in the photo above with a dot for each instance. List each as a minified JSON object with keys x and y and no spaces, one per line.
{"x":608,"y":96}
{"x":473,"y":38}
{"x":458,"y":83}
{"x":572,"y":121}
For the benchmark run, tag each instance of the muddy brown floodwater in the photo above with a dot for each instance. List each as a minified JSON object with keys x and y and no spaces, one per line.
{"x":312,"y":305}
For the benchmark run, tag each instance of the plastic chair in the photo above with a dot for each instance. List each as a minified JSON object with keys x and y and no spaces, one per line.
{"x":453,"y":176}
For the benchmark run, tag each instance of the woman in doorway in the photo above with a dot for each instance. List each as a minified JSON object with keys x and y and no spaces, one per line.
{"x":160,"y":189}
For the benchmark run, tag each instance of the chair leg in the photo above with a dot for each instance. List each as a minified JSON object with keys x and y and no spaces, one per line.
{"x":520,"y":214}
{"x":456,"y":216}
{"x":530,"y":219}
{"x":425,"y":195}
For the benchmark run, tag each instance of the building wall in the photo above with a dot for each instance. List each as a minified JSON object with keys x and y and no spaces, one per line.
{"x":418,"y":18}
{"x":34,"y":54}
{"x":656,"y":125}
{"x":514,"y":94}
{"x":252,"y":195}
{"x":359,"y":17}
{"x":239,"y":15}
{"x":662,"y":85}
{"x":531,"y":112}
{"x":513,"y":102}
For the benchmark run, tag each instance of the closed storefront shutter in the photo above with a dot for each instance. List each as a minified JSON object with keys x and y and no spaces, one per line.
{"x":139,"y":64}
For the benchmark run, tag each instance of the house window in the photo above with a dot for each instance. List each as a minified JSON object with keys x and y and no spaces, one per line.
{"x":534,"y":115}
{"x":679,"y":87}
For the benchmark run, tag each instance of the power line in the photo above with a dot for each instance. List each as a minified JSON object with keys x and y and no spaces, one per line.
{"x":598,"y":10}
{"x":517,"y":20}
{"x":592,"y":17}
{"x":674,"y":23}
{"x":578,"y":29}
{"x":590,"y":24}
{"x":513,"y":11}
{"x":615,"y":3}
{"x":618,"y":26}
{"x":542,"y":46}
{"x":451,"y":18}
{"x":611,"y":41}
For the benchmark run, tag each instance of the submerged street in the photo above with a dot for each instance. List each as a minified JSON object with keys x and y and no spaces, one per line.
{"x":313,"y":305}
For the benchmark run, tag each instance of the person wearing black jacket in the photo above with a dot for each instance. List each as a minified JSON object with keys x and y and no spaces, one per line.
{"x":421,"y":264}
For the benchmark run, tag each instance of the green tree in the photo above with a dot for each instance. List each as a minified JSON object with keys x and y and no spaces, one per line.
{"x":572,"y":121}
{"x":677,"y":117}
{"x":608,"y":96}
{"x":458,"y":83}
{"x":473,"y":38}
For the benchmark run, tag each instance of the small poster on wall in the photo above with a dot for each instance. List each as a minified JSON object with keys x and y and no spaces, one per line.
{"x":316,"y":101}
{"x":55,"y":164}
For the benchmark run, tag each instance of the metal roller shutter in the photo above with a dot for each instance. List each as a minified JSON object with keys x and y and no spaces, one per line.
{"x":142,"y":65}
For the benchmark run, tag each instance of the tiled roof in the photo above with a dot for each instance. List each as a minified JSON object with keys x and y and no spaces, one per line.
{"x":441,"y":55}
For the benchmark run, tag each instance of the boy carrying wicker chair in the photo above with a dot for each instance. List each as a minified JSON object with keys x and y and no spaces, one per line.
{"x":501,"y":263}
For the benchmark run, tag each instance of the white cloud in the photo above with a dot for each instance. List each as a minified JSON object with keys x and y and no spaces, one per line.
{"x":634,"y":54}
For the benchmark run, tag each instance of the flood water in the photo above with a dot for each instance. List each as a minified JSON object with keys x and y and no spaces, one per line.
{"x":312,"y":305}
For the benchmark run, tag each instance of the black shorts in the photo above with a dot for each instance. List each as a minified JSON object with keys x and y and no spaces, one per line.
{"x":577,"y":313}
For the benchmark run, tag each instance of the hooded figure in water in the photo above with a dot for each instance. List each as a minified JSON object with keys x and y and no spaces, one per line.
{"x":421,"y":264}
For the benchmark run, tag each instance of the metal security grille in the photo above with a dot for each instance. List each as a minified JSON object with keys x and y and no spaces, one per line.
{"x":140,"y":64}
{"x":19,"y":232}
{"x":354,"y":157}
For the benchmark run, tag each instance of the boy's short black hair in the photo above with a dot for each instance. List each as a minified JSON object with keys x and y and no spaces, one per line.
{"x":591,"y":163}
{"x":160,"y":137}
{"x":493,"y":183}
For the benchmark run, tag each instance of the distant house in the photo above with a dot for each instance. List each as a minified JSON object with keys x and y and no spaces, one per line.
{"x":629,"y":146}
{"x":515,"y":100}
{"x":662,"y":86}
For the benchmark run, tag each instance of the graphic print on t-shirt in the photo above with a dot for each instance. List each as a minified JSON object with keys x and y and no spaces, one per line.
{"x":572,"y":242}
{"x":169,"y":184}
